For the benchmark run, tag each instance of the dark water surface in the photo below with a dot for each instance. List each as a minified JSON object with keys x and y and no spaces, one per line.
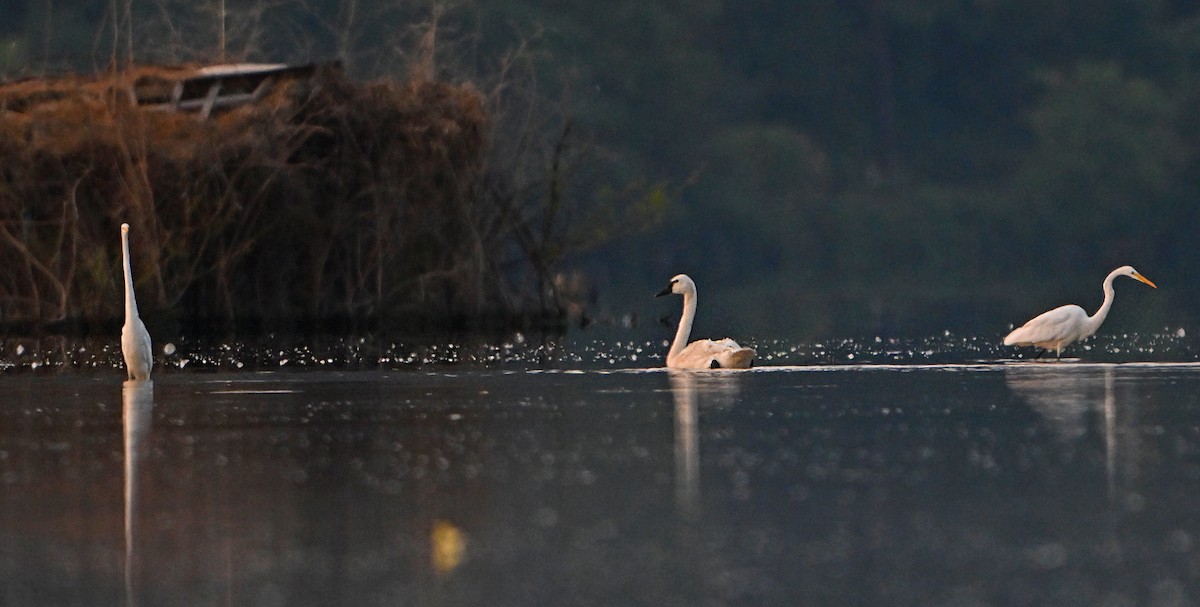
{"x":917,"y":484}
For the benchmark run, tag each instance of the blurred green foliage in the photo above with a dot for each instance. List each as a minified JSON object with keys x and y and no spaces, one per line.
{"x":818,"y":166}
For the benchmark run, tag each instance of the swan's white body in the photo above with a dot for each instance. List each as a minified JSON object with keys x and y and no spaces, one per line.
{"x":1064,"y":325}
{"x":135,"y":340}
{"x":702,"y":353}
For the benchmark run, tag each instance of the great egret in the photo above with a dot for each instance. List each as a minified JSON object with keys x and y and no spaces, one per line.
{"x":702,"y":353}
{"x":1064,"y":325}
{"x":135,"y":341}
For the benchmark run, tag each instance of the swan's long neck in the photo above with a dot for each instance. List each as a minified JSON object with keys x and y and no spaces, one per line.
{"x":685,"y":324}
{"x":1096,"y":319}
{"x":131,"y":310}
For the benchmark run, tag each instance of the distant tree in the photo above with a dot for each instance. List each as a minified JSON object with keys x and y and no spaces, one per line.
{"x":1106,"y":156}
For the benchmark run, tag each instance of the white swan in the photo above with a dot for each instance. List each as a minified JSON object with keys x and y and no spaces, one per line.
{"x":135,"y":340}
{"x":702,"y":353}
{"x":1064,"y":325}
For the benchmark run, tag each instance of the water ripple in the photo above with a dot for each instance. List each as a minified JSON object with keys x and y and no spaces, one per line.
{"x":579,"y":351}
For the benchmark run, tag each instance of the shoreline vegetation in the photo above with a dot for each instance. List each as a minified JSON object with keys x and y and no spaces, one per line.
{"x":327,"y":202}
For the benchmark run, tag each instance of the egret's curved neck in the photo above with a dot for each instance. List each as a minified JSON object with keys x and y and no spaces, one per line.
{"x":131,"y":310}
{"x":685,"y":324}
{"x":1096,"y":319}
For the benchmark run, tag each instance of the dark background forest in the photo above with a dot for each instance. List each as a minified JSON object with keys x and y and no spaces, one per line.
{"x":852,"y":167}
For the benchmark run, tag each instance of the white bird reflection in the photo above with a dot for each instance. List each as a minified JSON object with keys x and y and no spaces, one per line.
{"x":687,"y":388}
{"x":1072,"y":399}
{"x":137,"y":399}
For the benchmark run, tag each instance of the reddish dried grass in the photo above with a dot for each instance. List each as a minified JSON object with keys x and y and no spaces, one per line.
{"x":327,"y":198}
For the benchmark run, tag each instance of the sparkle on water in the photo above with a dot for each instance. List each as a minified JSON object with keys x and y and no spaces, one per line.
{"x":580,"y":350}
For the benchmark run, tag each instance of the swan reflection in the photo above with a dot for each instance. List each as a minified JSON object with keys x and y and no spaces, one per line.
{"x":687,"y":388}
{"x":137,"y":399}
{"x":1075,"y":401}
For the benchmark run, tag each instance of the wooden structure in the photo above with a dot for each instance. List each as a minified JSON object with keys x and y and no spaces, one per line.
{"x":215,"y":87}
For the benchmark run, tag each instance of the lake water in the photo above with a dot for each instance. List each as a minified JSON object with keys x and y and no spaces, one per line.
{"x":575,"y":476}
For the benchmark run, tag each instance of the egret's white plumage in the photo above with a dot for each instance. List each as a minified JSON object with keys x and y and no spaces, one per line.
{"x":135,"y":340}
{"x":1064,"y":325}
{"x":702,"y":353}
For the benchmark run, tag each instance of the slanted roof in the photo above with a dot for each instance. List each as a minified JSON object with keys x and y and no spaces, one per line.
{"x":215,"y":87}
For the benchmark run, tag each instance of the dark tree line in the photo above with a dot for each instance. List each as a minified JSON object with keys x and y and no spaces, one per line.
{"x":866,"y":165}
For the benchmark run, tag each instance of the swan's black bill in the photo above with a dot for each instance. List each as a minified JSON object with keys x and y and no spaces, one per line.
{"x":666,"y":291}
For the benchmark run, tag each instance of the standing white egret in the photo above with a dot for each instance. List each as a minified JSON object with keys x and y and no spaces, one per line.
{"x":135,"y":340}
{"x":1064,"y":325}
{"x":702,"y":353}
